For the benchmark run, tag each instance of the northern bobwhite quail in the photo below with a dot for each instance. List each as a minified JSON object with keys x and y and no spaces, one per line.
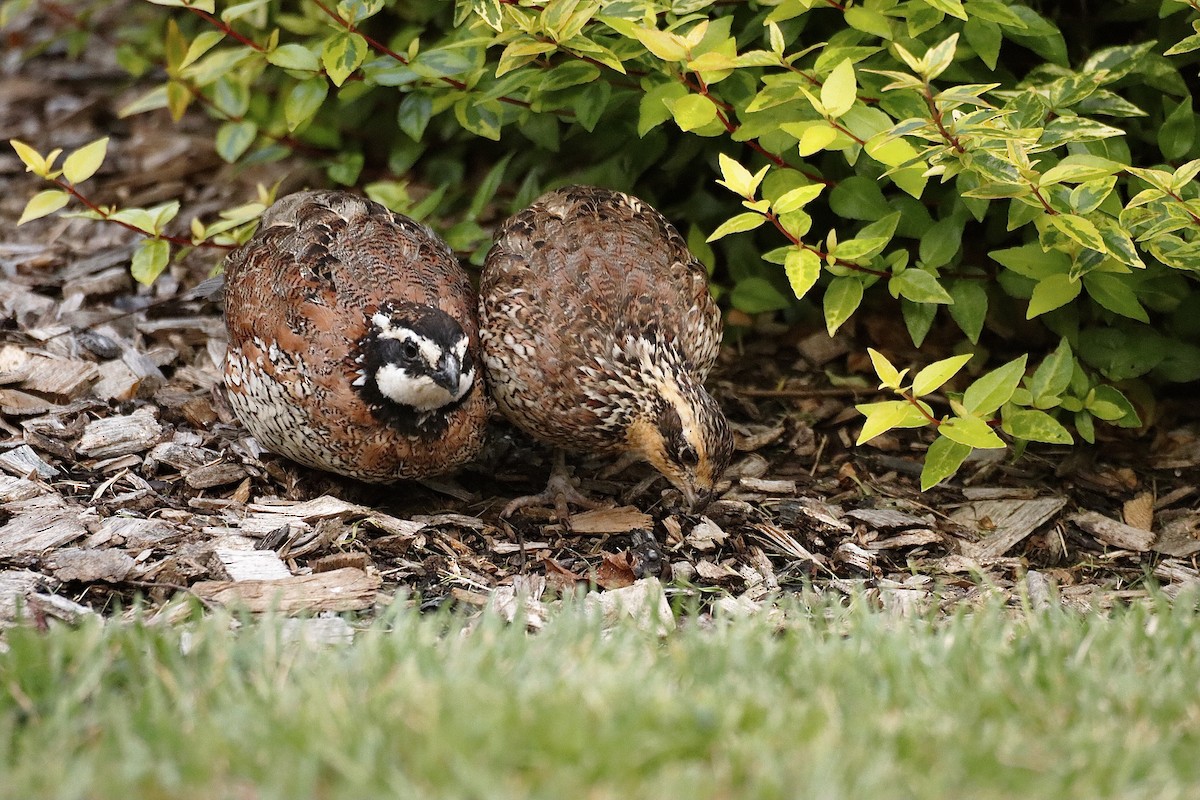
{"x":598,"y":331}
{"x":353,"y":341}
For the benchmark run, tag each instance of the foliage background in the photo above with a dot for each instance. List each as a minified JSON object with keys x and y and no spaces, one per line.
{"x":1014,"y":181}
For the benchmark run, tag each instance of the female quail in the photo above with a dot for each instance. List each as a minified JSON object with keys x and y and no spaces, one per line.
{"x":353,"y":341}
{"x":598,"y":331}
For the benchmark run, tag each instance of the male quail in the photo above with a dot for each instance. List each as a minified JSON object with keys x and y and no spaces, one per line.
{"x":353,"y":341}
{"x":598,"y":331}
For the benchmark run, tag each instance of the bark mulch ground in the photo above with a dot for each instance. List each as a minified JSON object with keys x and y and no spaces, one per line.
{"x":124,"y":475}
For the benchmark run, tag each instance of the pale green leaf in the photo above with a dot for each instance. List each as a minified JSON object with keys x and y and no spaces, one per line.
{"x":43,"y":203}
{"x":83,"y":163}
{"x":942,"y":460}
{"x":1032,"y":425}
{"x":933,"y":376}
{"x":803,"y":267}
{"x":840,"y":89}
{"x":889,"y":376}
{"x":971,"y":431}
{"x":796,"y":198}
{"x":882,"y":417}
{"x":149,"y":260}
{"x":995,"y":388}
{"x":1051,"y":293}
{"x":842,"y":299}
{"x":742,"y":222}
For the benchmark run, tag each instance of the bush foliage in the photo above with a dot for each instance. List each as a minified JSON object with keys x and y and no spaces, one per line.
{"x":1022,"y":173}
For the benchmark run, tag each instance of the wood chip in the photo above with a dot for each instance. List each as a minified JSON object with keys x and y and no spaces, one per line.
{"x":610,"y":520}
{"x":251,"y":565}
{"x":645,"y":602}
{"x":22,"y":404}
{"x":14,"y":489}
{"x":887,"y":518}
{"x":1112,"y":532}
{"x":1004,"y":523}
{"x":1179,"y":533}
{"x":117,"y":436}
{"x":65,"y":378}
{"x":218,"y":474}
{"x":913,"y":538}
{"x":24,"y":462}
{"x":15,"y":587}
{"x":706,"y":535}
{"x":768,"y":486}
{"x":32,"y":533}
{"x":339,"y":590}
{"x":88,"y":565}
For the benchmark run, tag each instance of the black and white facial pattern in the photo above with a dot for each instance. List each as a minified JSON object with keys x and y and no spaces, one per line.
{"x":415,"y":357}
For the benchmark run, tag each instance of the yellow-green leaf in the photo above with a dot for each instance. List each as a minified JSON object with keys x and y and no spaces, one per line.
{"x":742,"y":222}
{"x":796,"y":198}
{"x":43,"y":203}
{"x":839,"y":90}
{"x":1080,"y":229}
{"x":737,"y":178}
{"x":815,"y":138}
{"x":663,"y":44}
{"x":933,"y":376}
{"x":942,"y":460}
{"x":889,"y":376}
{"x":971,"y":431}
{"x":803,"y":267}
{"x":149,"y":260}
{"x":882,"y":417}
{"x":31,"y":158}
{"x":83,"y":163}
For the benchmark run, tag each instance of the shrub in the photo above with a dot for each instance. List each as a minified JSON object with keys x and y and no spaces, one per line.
{"x":1023,"y":172}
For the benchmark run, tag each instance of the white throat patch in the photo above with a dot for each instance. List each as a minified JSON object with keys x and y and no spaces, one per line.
{"x":418,"y":392}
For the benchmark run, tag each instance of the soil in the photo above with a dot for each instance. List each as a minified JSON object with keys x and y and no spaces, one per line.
{"x":125,"y":478}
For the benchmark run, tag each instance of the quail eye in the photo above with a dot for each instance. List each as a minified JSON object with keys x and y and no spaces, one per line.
{"x":410,"y":349}
{"x":688,"y":457}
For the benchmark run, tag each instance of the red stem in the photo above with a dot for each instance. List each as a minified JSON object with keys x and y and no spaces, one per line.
{"x":107,"y":217}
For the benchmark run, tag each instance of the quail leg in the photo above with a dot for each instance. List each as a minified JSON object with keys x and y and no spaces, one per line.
{"x":559,"y":491}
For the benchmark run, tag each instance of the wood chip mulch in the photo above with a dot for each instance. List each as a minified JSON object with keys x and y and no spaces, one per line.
{"x":124,"y":476}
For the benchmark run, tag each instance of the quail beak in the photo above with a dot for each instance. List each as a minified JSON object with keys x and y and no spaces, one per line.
{"x":695,"y":499}
{"x":448,"y":374}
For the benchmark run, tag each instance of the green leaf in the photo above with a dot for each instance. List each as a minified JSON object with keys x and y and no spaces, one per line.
{"x":1051,"y":293}
{"x":204,"y":41}
{"x":1080,"y":229}
{"x":815,"y":138}
{"x":294,"y":56}
{"x":971,"y":431}
{"x":342,"y":54}
{"x":1116,"y":293}
{"x":796,"y":198}
{"x":1032,"y":425}
{"x":941,"y":242}
{"x":970,"y":307}
{"x":933,"y":376}
{"x":882,"y":417}
{"x":919,"y":286}
{"x":521,"y":52}
{"x":840,"y":90}
{"x":756,"y":295}
{"x":234,"y":138}
{"x":952,"y":7}
{"x":995,"y":388}
{"x":841,"y":300}
{"x":1109,"y":394}
{"x":742,"y":222}
{"x":32,"y":160}
{"x":42,"y":204}
{"x":939,"y":57}
{"x":803,"y":267}
{"x":693,"y":111}
{"x":663,"y":44}
{"x":889,"y":376}
{"x":1178,"y":131}
{"x":303,"y":101}
{"x":1053,"y":375}
{"x":83,"y":163}
{"x":481,"y":118}
{"x":416,"y":109}
{"x":149,"y":260}
{"x":1078,"y":168}
{"x":868,"y":20}
{"x":942,"y":460}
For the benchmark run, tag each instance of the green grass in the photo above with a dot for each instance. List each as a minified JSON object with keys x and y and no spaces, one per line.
{"x":840,"y":704}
